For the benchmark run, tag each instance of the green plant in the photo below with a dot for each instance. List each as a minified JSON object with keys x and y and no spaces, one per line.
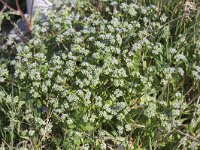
{"x":103,"y":75}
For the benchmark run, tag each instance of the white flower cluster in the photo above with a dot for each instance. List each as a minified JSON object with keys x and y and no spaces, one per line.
{"x":196,"y":72}
{"x":3,"y":73}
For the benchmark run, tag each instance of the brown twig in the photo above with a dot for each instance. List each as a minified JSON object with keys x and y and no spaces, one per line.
{"x":3,"y":9}
{"x":23,"y":17}
{"x":19,"y":12}
{"x":7,"y":6}
{"x":194,"y":98}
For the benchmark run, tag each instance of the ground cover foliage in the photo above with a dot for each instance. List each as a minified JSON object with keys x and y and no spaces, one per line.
{"x":107,"y":74}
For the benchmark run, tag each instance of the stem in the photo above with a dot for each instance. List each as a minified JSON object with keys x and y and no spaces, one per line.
{"x":31,"y":14}
{"x":7,"y":6}
{"x":19,"y":12}
{"x":19,"y":32}
{"x":12,"y":121}
{"x":23,"y":17}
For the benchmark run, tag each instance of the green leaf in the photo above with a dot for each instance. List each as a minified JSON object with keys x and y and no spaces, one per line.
{"x":88,"y":127}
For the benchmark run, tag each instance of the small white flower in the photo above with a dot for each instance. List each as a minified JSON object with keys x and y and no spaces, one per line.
{"x":181,"y":71}
{"x":180,"y":57}
{"x":128,"y":127}
{"x":31,"y":132}
{"x":120,"y":129}
{"x":163,"y":18}
{"x":172,"y":50}
{"x":69,"y":121}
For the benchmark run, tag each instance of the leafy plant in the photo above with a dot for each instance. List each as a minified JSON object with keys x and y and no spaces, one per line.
{"x":103,"y":75}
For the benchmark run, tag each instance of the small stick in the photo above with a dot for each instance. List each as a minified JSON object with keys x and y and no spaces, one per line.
{"x":23,"y":17}
{"x":19,"y":12}
{"x":3,"y":9}
{"x":7,"y":6}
